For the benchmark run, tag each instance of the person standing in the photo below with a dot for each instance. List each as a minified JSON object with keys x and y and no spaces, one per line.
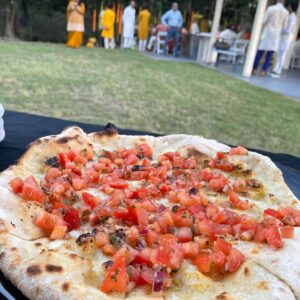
{"x":286,"y":40}
{"x":107,"y":25}
{"x":75,"y":25}
{"x":173,"y":19}
{"x":128,"y":25}
{"x":143,"y":27}
{"x":275,"y":20}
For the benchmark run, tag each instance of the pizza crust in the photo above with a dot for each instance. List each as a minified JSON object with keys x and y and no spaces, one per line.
{"x":42,"y":270}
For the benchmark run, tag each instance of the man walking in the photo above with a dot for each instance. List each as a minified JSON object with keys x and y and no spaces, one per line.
{"x":173,"y":19}
{"x":275,"y":21}
{"x":285,"y":41}
{"x":128,"y":25}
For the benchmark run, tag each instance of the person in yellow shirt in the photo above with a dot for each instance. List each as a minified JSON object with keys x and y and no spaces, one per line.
{"x":75,"y":23}
{"x":143,"y":27}
{"x":108,"y":24}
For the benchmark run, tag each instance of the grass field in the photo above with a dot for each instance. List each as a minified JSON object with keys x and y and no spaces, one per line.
{"x":133,"y":91}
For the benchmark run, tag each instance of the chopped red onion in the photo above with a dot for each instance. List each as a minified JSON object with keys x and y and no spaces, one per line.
{"x":158,"y":282}
{"x":144,"y":231}
{"x":139,"y":246}
{"x":161,"y":208}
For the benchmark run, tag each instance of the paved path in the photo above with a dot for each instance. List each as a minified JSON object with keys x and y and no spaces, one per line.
{"x":288,"y":84}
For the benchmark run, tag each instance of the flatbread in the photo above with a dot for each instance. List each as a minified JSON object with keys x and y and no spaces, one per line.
{"x":60,"y":269}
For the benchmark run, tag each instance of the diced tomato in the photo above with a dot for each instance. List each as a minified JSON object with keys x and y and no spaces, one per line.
{"x":196,"y":209}
{"x":218,"y":184}
{"x":16,"y":185}
{"x":184,"y":234}
{"x":121,"y":213}
{"x":287,"y":232}
{"x":72,"y":218}
{"x":63,"y":159}
{"x":135,"y":276}
{"x":59,"y":232}
{"x":90,"y":200}
{"x":81,"y":160}
{"x":57,"y":188}
{"x":127,"y":252}
{"x":238,"y":151}
{"x":165,"y":220}
{"x":182,"y":218}
{"x":140,"y":193}
{"x":144,"y":257}
{"x":272,"y":212}
{"x":220,"y":217}
{"x":92,"y":175}
{"x":78,"y":184}
{"x":240,"y":186}
{"x":218,"y":258}
{"x":203,"y":263}
{"x":145,"y":150}
{"x":185,"y":199}
{"x":46,"y":222}
{"x":101,"y":239}
{"x":132,"y":235}
{"x":237,"y":202}
{"x":260,"y":234}
{"x":119,"y":184}
{"x":149,"y":206}
{"x":132,"y":159}
{"x":142,"y":216}
{"x":190,"y":249}
{"x":52,"y":173}
{"x":151,"y":237}
{"x":206,"y":174}
{"x":223,"y":246}
{"x":225,"y":166}
{"x":72,"y":155}
{"x":148,"y":275}
{"x":234,"y":260}
{"x":31,"y":190}
{"x":211,"y":211}
{"x":206,"y":228}
{"x":273,"y":236}
{"x":116,"y":278}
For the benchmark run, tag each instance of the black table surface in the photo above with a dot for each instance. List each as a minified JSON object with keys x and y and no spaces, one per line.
{"x":22,"y":129}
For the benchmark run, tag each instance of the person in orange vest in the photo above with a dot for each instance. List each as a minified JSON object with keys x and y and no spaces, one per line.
{"x":143,"y":27}
{"x":107,"y":25}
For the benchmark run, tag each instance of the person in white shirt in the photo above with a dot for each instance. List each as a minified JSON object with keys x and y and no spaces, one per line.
{"x":228,"y":35}
{"x":275,"y":20}
{"x":128,"y":25}
{"x":285,"y":41}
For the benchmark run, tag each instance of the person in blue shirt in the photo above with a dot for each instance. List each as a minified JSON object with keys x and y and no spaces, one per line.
{"x":173,"y":19}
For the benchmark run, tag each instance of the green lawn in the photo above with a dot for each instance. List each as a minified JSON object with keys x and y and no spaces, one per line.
{"x":133,"y":91}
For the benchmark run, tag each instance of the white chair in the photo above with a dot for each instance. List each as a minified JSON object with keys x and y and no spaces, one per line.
{"x":296,"y":56}
{"x":236,"y":51}
{"x":160,"y":42}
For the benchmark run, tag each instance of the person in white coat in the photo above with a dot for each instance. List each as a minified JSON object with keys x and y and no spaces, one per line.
{"x":275,"y":20}
{"x":286,"y":40}
{"x":128,"y":25}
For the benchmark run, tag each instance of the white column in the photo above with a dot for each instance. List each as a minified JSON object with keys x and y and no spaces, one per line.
{"x":214,"y":29}
{"x":255,"y":36}
{"x":290,"y":53}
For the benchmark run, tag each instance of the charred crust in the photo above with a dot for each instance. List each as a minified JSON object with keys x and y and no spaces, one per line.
{"x":254,"y":184}
{"x":52,"y":162}
{"x":34,"y":270}
{"x":65,"y":286}
{"x":38,"y":244}
{"x":13,"y":248}
{"x":66,"y":139}
{"x":263,"y":285}
{"x":2,"y":254}
{"x":53,"y":268}
{"x":202,"y":159}
{"x":222,"y":296}
{"x":246,"y":271}
{"x":110,"y":128}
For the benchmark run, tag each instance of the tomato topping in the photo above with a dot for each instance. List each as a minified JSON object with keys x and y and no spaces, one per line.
{"x":287,"y":232}
{"x":234,"y":260}
{"x":119,"y":184}
{"x":237,"y":202}
{"x":58,"y":232}
{"x":90,"y":200}
{"x":78,"y":184}
{"x":203,"y":262}
{"x":145,"y":150}
{"x":142,"y":217}
{"x":184,"y":234}
{"x":46,"y":222}
{"x":273,"y":237}
{"x":71,"y":155}
{"x":218,"y":184}
{"x":72,"y":218}
{"x":238,"y":151}
{"x":272,"y":212}
{"x":143,"y":257}
{"x":31,"y":190}
{"x":240,"y":186}
{"x":116,"y":278}
{"x":63,"y":159}
{"x":190,"y":249}
{"x":16,"y":185}
{"x":223,"y":246}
